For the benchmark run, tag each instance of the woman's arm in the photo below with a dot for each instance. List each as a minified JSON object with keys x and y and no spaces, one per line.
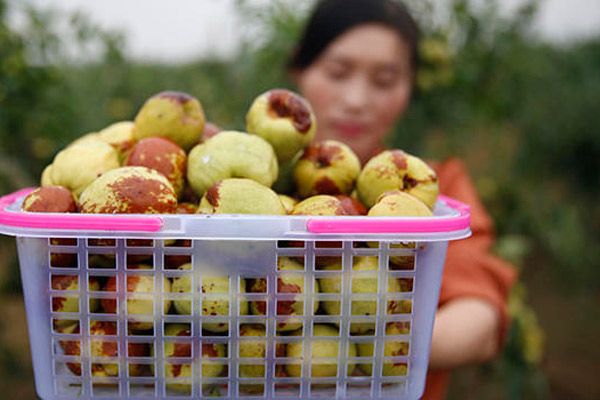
{"x":472,"y":319}
{"x":465,"y":332}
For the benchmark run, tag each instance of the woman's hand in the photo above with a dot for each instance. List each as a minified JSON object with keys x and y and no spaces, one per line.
{"x":465,"y":332}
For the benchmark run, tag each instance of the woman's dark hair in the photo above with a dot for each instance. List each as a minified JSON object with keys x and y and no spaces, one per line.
{"x":331,"y":18}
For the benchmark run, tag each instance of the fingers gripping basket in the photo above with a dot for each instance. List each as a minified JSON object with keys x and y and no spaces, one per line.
{"x":231,"y":306}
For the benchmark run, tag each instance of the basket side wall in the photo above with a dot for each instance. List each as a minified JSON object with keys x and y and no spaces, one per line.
{"x":33,"y":255}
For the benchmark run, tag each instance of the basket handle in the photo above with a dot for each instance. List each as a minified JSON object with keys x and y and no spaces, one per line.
{"x":404,"y":225}
{"x":73,"y":221}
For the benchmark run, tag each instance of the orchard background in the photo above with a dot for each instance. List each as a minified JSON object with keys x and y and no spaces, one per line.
{"x":522,"y":113}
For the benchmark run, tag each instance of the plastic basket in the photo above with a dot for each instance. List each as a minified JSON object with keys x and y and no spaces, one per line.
{"x":73,"y":358}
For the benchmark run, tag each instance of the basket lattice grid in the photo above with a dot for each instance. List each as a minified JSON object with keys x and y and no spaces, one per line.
{"x":126,"y":373}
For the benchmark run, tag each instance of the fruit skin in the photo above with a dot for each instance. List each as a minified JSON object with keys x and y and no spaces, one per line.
{"x":102,"y":348}
{"x":361,"y":284}
{"x":240,"y":196}
{"x":189,"y":196}
{"x":397,"y":170}
{"x":78,"y":165}
{"x":136,"y":306}
{"x":399,"y":204}
{"x":326,"y":167}
{"x":56,"y":199}
{"x":255,"y":348}
{"x":252,"y":349}
{"x":67,"y":327}
{"x":175,"y":115}
{"x":352,"y":205}
{"x":163,"y":155}
{"x":63,"y":260}
{"x":320,"y":348}
{"x":288,"y":202}
{"x":284,"y":119}
{"x":87,"y":137}
{"x":129,"y":190}
{"x":70,"y":304}
{"x":219,"y":284}
{"x":209,"y":131}
{"x":184,"y":349}
{"x":46,"y":178}
{"x":120,"y":136}
{"x":392,"y":348}
{"x":286,"y":283}
{"x":212,"y":307}
{"x":321,"y":204}
{"x":231,"y":154}
{"x":186,"y":208}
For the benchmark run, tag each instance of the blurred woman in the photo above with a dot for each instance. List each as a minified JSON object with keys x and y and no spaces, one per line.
{"x":356,"y":64}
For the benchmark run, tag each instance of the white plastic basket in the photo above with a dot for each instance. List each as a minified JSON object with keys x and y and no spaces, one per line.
{"x":240,"y":247}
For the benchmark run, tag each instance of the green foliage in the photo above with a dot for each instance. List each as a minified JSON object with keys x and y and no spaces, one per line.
{"x":25,"y":91}
{"x":39,"y":107}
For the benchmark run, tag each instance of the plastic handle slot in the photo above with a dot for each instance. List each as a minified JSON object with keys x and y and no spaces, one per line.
{"x":397,"y":225}
{"x":83,"y":222}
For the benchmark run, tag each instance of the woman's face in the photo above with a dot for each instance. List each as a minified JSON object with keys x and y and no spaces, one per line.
{"x":359,"y":86}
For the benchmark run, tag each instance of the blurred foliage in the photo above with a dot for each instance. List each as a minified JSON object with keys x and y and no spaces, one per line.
{"x":39,"y":107}
{"x":25,"y":102}
{"x":519,"y":111}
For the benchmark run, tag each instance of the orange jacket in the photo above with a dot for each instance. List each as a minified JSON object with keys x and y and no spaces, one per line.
{"x":471,"y":270}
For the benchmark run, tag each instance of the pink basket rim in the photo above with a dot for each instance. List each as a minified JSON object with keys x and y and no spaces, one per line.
{"x":398,"y":225}
{"x":154,"y":223}
{"x":121,"y":222}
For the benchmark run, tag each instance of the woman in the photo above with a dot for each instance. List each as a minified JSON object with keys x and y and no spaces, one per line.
{"x":356,"y":65}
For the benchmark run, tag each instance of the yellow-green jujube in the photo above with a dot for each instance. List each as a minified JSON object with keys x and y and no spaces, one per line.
{"x":326,"y":348}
